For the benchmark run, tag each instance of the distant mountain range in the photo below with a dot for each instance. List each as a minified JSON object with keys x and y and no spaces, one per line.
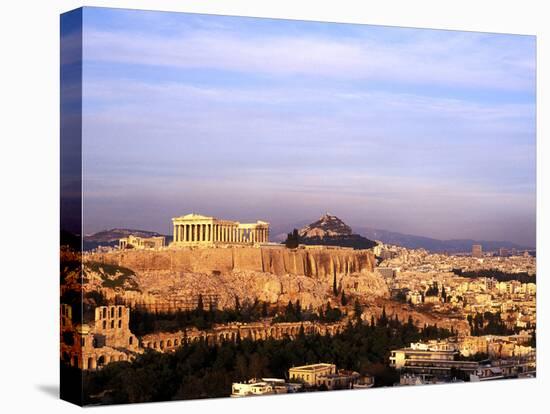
{"x":435,"y":245}
{"x":412,"y":241}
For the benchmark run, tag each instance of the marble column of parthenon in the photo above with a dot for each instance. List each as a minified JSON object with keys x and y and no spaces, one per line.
{"x":195,"y":229}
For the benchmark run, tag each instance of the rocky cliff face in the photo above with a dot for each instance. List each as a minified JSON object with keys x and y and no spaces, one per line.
{"x":273,"y":275}
{"x":249,"y":286}
{"x":158,"y":289}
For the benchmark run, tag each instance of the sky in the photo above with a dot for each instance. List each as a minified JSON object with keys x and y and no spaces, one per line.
{"x":426,"y":132}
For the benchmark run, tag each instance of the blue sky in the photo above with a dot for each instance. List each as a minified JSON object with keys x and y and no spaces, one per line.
{"x":421,"y":131}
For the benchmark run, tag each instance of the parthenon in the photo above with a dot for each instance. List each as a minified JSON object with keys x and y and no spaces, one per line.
{"x":195,"y":229}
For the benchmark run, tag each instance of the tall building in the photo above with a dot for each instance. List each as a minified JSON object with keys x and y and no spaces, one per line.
{"x":477,"y":250}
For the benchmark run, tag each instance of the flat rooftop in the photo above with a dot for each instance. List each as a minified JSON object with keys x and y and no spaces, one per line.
{"x":313,"y":367}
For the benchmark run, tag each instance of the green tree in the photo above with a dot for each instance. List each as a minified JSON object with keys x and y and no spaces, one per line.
{"x":383,"y":320}
{"x":343,"y":299}
{"x":298,"y":310}
{"x":292,"y":240}
{"x":357,"y":310}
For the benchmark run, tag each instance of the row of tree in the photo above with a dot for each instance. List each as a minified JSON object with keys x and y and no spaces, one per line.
{"x":200,"y":371}
{"x":488,"y":323}
{"x":499,"y":275}
{"x":143,"y":321}
{"x":294,"y":313}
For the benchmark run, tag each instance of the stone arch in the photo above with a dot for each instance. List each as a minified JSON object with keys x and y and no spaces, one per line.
{"x":91,"y":363}
{"x":176,"y":342}
{"x":121,"y":357}
{"x":169,"y":343}
{"x":154,"y":345}
{"x":161,"y":344}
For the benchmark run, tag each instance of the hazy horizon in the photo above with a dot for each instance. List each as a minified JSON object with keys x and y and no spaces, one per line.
{"x":417,"y":131}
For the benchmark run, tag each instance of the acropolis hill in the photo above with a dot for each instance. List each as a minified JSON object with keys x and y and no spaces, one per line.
{"x":209,"y":256}
{"x":204,"y":244}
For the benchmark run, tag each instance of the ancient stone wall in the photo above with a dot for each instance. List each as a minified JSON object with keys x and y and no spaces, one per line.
{"x":169,"y":341}
{"x":322,"y":263}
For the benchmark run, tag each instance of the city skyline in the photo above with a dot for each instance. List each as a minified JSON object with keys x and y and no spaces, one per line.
{"x":419,"y":131}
